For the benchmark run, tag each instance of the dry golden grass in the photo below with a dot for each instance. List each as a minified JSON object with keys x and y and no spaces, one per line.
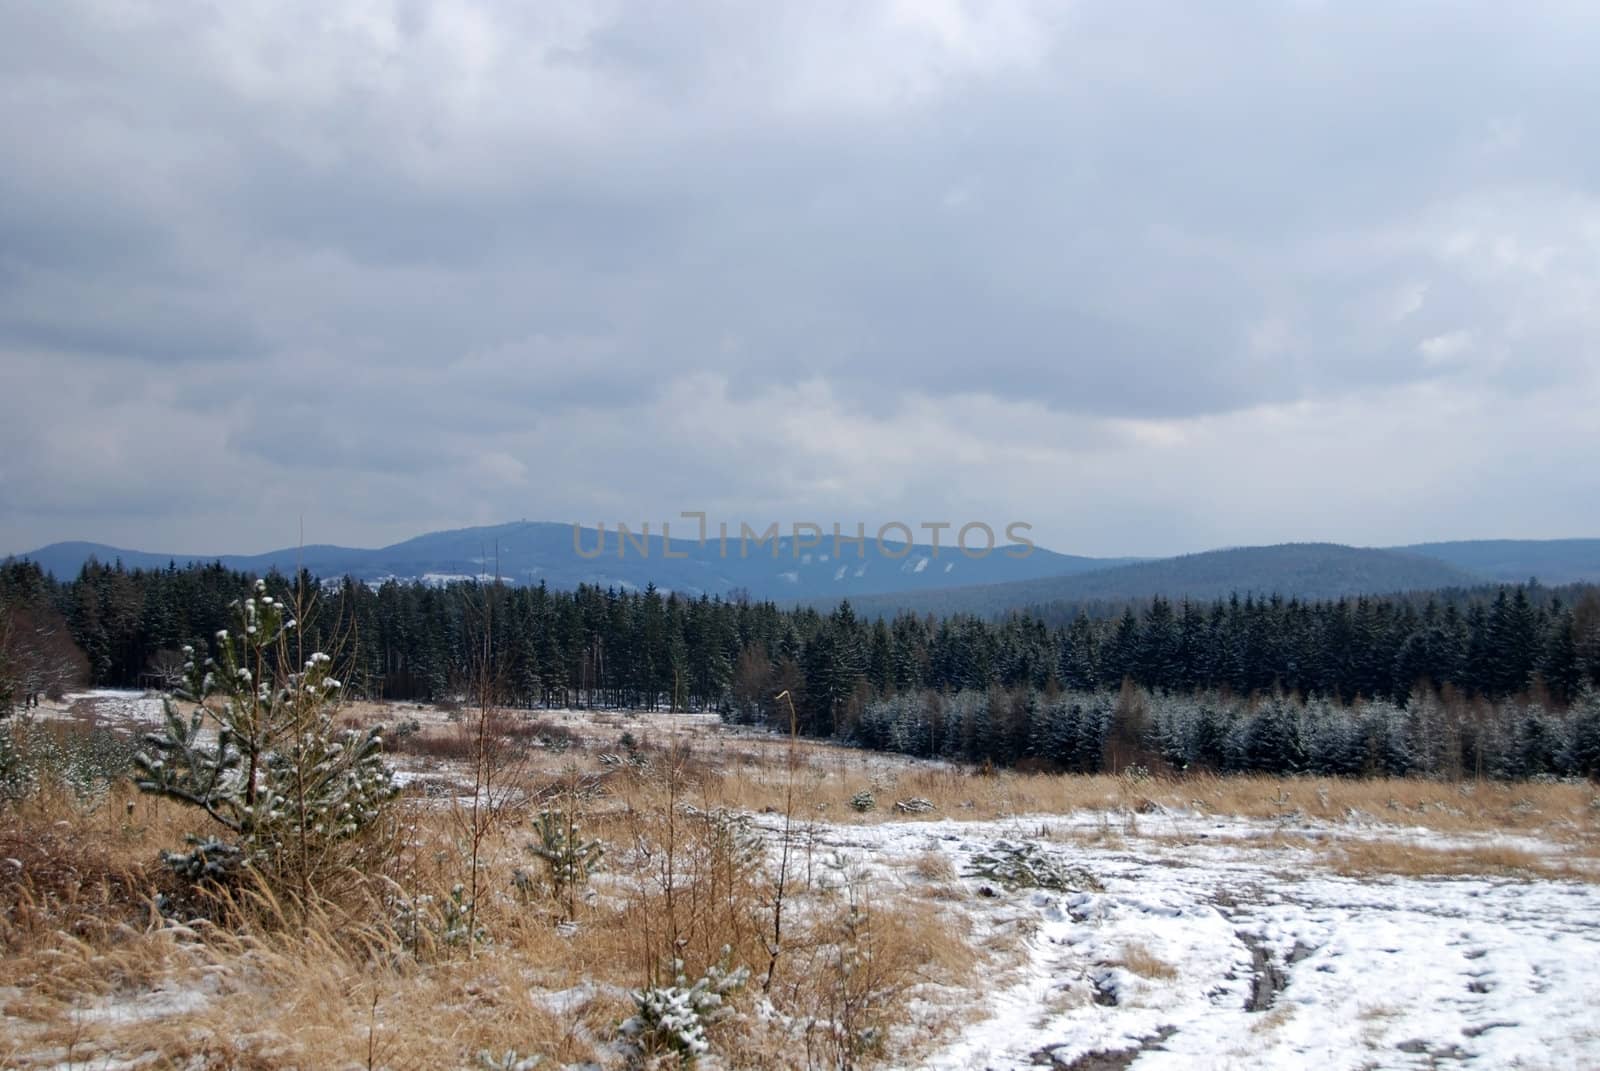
{"x":752,"y":769}
{"x":934,"y":867}
{"x":91,"y":974}
{"x":1146,"y":964}
{"x":1272,"y":1020}
{"x":88,"y":973}
{"x":1362,"y":858}
{"x":754,"y":765}
{"x":747,"y":771}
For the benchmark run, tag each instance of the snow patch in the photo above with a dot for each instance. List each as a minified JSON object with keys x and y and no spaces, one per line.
{"x":1214,"y":945}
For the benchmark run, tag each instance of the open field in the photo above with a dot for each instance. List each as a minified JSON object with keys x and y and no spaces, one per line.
{"x":994,"y":920}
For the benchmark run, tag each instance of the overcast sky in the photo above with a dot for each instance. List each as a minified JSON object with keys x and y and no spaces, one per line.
{"x":1151,"y":277}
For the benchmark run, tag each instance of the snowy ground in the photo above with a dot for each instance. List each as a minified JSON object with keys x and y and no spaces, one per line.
{"x":113,"y":708}
{"x":1250,"y":957}
{"x":1213,"y":942}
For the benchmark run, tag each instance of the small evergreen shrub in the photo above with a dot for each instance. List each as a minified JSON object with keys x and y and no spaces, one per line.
{"x":510,"y":1060}
{"x":259,"y":752}
{"x":674,"y":1018}
{"x":731,"y":838}
{"x":1026,"y":866}
{"x":423,"y":922}
{"x":456,"y":922}
{"x":568,"y":858}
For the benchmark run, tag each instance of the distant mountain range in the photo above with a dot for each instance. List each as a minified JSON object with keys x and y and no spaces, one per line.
{"x":1552,"y":561}
{"x":1304,"y":570}
{"x":529,"y":552}
{"x":917,"y":577}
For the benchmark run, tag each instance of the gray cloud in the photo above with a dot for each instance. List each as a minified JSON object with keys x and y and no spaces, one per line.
{"x":399,"y":265}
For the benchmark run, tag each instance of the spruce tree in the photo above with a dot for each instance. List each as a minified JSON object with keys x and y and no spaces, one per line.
{"x":1585,"y":746}
{"x":1559,"y":666}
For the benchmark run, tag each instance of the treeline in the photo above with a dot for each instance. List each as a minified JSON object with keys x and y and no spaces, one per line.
{"x":648,"y":650}
{"x":1112,"y":731}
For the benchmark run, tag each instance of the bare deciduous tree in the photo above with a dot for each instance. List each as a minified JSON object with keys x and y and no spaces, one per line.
{"x":165,"y":668}
{"x":38,"y":658}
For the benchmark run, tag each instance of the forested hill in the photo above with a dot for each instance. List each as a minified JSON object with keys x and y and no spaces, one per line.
{"x":526,"y":553}
{"x":1293,"y":570}
{"x":1512,"y":561}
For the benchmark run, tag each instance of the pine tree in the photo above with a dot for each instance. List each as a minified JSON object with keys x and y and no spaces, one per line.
{"x":277,"y":776}
{"x":569,"y":859}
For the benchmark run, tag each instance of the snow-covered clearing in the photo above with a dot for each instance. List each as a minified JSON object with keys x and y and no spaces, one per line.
{"x":1329,"y":935}
{"x":1215,"y":945}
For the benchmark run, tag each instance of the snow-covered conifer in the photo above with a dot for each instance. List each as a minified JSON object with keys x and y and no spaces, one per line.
{"x":258,"y":751}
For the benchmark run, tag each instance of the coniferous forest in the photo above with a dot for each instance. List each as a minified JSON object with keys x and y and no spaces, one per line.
{"x":1489,"y":681}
